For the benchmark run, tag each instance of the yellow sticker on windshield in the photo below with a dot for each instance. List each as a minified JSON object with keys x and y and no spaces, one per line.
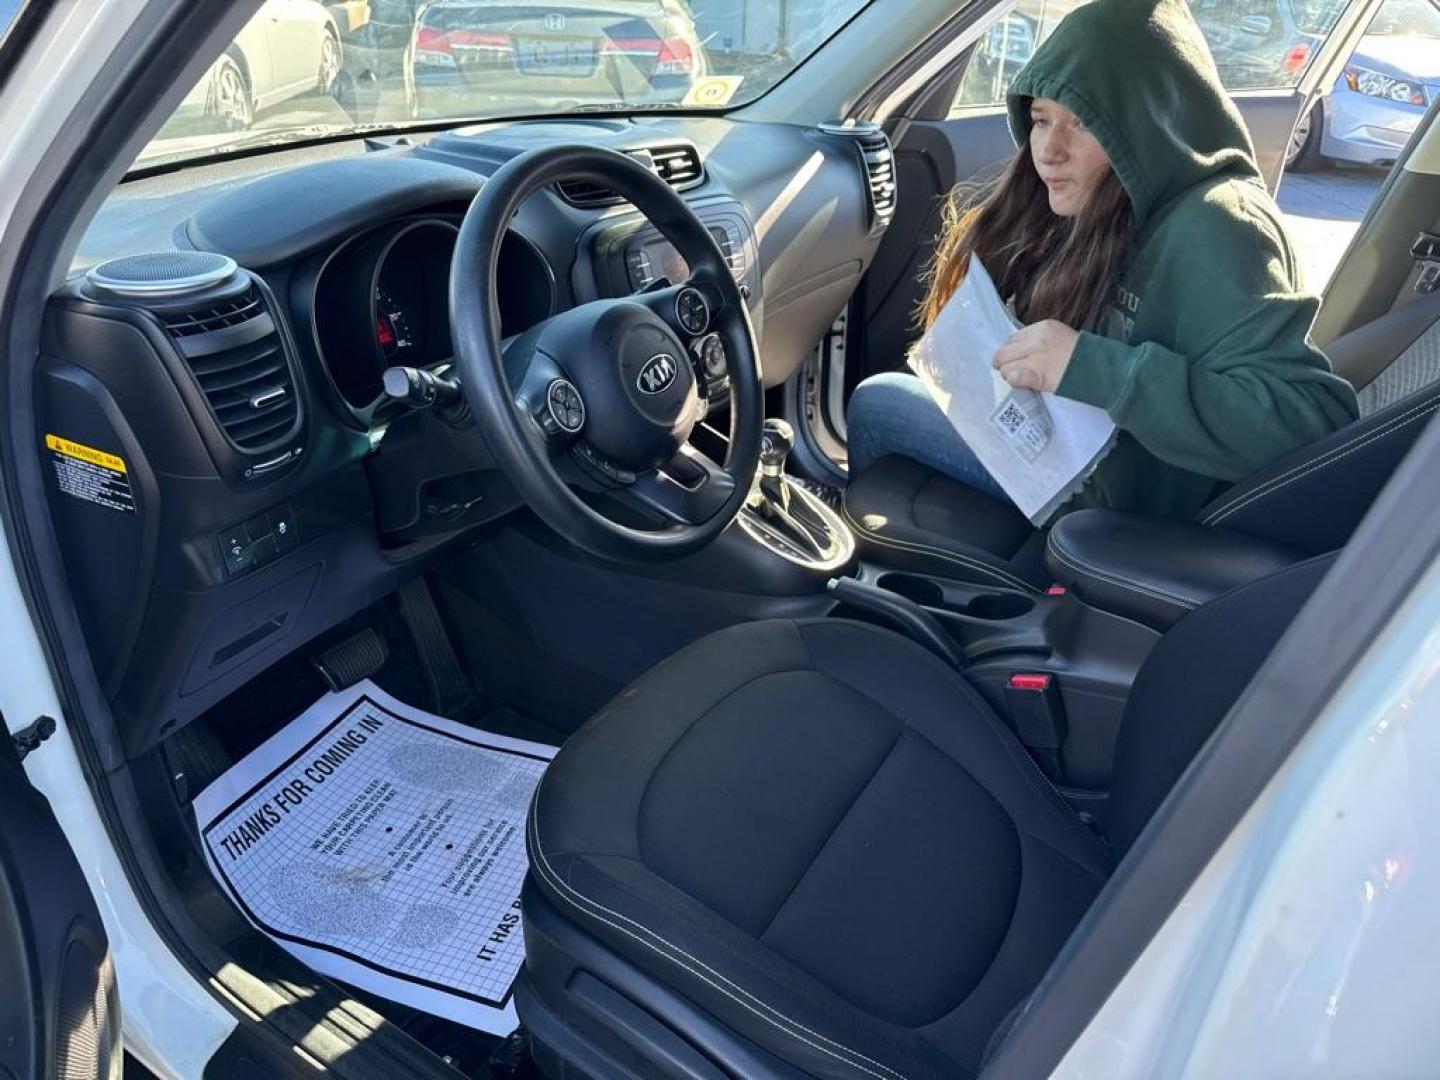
{"x":712,"y":91}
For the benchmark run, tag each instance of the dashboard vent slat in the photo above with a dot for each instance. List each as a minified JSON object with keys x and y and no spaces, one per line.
{"x":215,"y":316}
{"x":678,"y":164}
{"x":879,"y":174}
{"x":245,"y":381}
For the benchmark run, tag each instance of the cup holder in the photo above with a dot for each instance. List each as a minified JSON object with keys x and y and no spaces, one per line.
{"x":998,"y":606}
{"x":992,"y":607}
{"x":922,"y":590}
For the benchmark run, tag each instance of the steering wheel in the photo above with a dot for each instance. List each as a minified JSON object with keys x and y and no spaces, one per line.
{"x":604,"y":396}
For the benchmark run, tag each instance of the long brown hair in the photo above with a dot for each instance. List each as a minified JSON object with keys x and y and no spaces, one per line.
{"x":1054,"y":267}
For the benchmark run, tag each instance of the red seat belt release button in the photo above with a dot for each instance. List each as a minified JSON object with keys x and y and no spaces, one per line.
{"x":1036,"y":710}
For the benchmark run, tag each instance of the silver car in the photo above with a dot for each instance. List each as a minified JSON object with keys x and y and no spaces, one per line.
{"x":1376,"y":104}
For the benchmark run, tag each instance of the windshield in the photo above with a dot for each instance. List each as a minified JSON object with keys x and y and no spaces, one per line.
{"x":303,"y":69}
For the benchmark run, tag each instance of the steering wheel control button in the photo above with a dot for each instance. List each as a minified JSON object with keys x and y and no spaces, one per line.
{"x":692,"y":312}
{"x":564,"y":408}
{"x":712,"y":356}
{"x":597,"y":465}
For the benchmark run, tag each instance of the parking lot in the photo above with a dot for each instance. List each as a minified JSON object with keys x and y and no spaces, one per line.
{"x":1323,"y":209}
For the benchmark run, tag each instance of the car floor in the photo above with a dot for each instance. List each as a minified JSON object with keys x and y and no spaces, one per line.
{"x":207,"y":747}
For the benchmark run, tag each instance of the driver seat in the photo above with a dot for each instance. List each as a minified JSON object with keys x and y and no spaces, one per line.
{"x":811,"y":848}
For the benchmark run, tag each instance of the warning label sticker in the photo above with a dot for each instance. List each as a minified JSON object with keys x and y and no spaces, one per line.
{"x":90,"y":474}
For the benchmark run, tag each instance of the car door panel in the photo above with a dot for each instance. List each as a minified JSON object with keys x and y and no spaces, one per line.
{"x":1270,"y":117}
{"x":930,"y":159}
{"x":59,"y":1011}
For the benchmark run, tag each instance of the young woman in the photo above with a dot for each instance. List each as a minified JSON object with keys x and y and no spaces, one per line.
{"x":1135,"y":238}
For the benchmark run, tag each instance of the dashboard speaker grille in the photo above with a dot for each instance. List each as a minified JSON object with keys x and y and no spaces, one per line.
{"x":161,"y":273}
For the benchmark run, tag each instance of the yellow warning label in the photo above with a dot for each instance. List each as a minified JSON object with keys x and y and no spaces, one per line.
{"x":85,"y":453}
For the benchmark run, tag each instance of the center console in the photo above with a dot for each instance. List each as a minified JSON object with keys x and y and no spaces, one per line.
{"x":1057,"y":669}
{"x":1058,"y":665}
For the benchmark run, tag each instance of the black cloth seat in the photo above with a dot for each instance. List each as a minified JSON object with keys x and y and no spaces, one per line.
{"x":821,"y":837}
{"x":907,"y":515}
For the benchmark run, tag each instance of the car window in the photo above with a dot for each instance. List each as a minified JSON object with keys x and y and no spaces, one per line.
{"x":1257,"y":44}
{"x":1406,"y":18}
{"x":8,"y":10}
{"x":303,"y":69}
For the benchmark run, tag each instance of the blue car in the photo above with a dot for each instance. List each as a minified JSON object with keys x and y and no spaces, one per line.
{"x":1376,"y":104}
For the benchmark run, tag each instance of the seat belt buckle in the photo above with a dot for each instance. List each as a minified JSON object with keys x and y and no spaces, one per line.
{"x":1038,"y":716}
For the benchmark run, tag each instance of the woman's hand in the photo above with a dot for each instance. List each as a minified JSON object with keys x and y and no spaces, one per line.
{"x":1035,"y":357}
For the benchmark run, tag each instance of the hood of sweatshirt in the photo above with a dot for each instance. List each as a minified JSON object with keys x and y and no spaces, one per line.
{"x":1140,"y":76}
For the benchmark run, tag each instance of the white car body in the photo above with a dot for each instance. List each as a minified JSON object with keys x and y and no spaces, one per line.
{"x":1274,"y":964}
{"x":280,"y":54}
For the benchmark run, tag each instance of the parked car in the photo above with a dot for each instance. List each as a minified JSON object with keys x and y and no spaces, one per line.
{"x":291,"y":48}
{"x":1376,"y":104}
{"x":464,"y":53}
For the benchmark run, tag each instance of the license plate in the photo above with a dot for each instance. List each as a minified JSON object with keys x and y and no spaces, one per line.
{"x":554,"y":56}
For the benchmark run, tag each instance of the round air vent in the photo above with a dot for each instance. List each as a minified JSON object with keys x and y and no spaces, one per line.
{"x":161,"y":273}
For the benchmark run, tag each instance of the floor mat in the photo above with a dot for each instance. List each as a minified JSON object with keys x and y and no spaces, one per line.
{"x":384,"y":846}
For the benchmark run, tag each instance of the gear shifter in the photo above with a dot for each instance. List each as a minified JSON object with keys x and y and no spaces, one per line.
{"x":776,"y":439}
{"x":787,"y":514}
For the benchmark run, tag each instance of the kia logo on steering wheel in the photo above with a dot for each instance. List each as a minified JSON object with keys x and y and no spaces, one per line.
{"x":657,"y":374}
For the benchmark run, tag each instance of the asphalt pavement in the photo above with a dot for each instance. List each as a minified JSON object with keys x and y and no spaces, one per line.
{"x":1323,"y":209}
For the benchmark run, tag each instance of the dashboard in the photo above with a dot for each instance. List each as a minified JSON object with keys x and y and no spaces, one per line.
{"x":382,"y":300}
{"x":267,"y":488}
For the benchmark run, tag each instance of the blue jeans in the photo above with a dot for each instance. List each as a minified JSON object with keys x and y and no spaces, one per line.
{"x":893,"y":414}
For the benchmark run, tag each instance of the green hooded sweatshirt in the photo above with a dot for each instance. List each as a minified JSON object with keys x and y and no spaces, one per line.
{"x":1202,"y":360}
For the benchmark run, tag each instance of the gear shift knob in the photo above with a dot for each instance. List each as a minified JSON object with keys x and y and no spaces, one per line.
{"x":776,"y":439}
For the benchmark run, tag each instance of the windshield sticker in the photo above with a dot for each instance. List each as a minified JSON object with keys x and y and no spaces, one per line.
{"x":90,"y":474}
{"x":713,"y":91}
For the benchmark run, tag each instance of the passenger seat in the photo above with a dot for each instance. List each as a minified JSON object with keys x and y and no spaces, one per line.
{"x":911,"y":517}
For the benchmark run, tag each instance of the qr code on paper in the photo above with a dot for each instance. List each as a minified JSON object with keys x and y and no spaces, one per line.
{"x":1024,"y":422}
{"x":1011,"y":417}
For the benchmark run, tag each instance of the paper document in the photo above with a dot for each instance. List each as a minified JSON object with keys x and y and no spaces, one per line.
{"x":1039,"y":447}
{"x":384,"y":846}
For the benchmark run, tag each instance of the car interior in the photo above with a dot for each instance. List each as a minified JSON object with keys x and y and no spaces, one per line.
{"x":532,"y":423}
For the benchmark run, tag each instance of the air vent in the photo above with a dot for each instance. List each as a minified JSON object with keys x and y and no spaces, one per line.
{"x":678,"y":165}
{"x":879,"y":162}
{"x":234,"y":351}
{"x":215,"y":316}
{"x":880,"y":174}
